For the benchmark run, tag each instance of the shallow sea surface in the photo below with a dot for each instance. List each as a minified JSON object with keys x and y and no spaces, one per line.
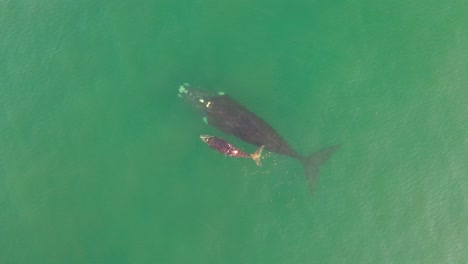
{"x":101,"y":162}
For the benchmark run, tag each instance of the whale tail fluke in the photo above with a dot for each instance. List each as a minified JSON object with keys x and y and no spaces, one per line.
{"x":313,"y":162}
{"x":257,"y":155}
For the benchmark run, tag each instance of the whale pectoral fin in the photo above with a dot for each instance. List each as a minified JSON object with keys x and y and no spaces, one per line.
{"x":205,"y":119}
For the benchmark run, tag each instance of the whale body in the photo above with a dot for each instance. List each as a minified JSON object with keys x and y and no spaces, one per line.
{"x":226,"y":114}
{"x":230,"y":150}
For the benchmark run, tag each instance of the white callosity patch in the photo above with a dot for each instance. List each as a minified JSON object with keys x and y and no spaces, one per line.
{"x":207,"y":104}
{"x":182,"y":89}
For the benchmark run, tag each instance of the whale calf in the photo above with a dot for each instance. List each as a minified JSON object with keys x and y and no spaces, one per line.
{"x":223,"y":112}
{"x":230,"y":150}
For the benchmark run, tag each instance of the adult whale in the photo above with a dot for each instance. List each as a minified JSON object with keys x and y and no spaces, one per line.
{"x":226,"y":114}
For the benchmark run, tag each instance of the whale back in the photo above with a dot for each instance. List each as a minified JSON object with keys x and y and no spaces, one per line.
{"x":231,"y":117}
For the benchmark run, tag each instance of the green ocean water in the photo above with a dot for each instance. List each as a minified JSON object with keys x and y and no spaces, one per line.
{"x":100,"y":161}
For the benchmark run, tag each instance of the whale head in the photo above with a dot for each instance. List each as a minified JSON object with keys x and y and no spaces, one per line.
{"x":201,"y":99}
{"x":206,"y":138}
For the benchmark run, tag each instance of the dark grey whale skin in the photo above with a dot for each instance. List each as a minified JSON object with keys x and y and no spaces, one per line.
{"x":224,"y":113}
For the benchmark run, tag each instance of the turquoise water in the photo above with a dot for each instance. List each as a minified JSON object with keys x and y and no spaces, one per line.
{"x":100,"y":162}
